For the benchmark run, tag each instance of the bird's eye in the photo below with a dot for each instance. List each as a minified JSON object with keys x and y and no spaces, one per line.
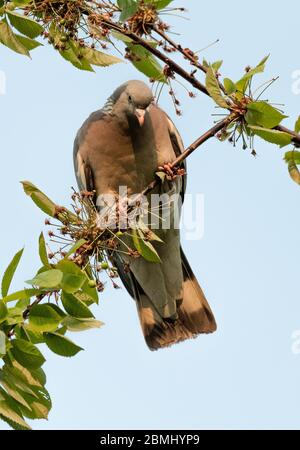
{"x":130,"y":98}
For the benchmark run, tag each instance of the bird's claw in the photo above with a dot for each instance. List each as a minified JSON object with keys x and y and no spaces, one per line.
{"x":171,"y":172}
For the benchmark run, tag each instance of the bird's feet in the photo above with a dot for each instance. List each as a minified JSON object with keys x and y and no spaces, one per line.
{"x":171,"y":172}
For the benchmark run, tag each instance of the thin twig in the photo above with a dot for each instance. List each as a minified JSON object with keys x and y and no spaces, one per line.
{"x":174,"y":67}
{"x":38,"y":299}
{"x":191,"y":56}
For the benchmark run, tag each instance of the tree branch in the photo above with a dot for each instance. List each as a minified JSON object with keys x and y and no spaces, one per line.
{"x":189,"y":150}
{"x":176,"y":68}
{"x":295,"y":136}
{"x":185,"y":52}
{"x":168,"y":61}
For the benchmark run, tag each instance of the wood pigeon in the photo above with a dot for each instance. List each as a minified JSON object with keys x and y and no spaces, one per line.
{"x":123,"y":144}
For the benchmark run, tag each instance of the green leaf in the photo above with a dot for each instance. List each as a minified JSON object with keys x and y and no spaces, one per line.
{"x":35,"y":409}
{"x":297,"y":125}
{"x":121,"y":37}
{"x":263,"y":115}
{"x":76,"y":324}
{"x":39,"y":407}
{"x":145,"y":248}
{"x":292,"y":156}
{"x":39,"y":198}
{"x":74,"y":54}
{"x":294,"y":172}
{"x":69,"y":54}
{"x":275,"y":137}
{"x":214,"y":89}
{"x":243,"y":83}
{"x":57,"y":309}
{"x":87,"y":290}
{"x":62,"y":330}
{"x":39,"y":376}
{"x":147,"y":233}
{"x":45,"y":204}
{"x":9,"y":273}
{"x":2,"y":343}
{"x":293,"y":160}
{"x":73,"y":277}
{"x":22,"y":295}
{"x":88,"y":294}
{"x":258,"y":69}
{"x":97,"y":58}
{"x":217,"y":65}
{"x":75,"y":247}
{"x":49,"y":279}
{"x":11,"y":389}
{"x":75,"y":307}
{"x":32,"y":377}
{"x":9,"y":39}
{"x":35,"y":337}
{"x":72,"y":283}
{"x":15,"y":377}
{"x":27,"y":354}
{"x":14,"y":316}
{"x":30,"y":44}
{"x":84,"y":65}
{"x":13,"y":418}
{"x":128,"y":7}
{"x":146,"y":63}
{"x":15,"y":394}
{"x":21,"y":305}
{"x":43,"y":318}
{"x":43,"y":251}
{"x":69,"y":267}
{"x":24,"y":24}
{"x":3,"y":311}
{"x":61,"y":345}
{"x":13,"y":320}
{"x":21,"y":333}
{"x":230,"y":86}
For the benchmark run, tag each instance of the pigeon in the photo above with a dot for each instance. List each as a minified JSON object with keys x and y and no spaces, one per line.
{"x":123,"y":144}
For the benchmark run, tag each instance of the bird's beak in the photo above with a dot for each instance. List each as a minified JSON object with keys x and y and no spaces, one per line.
{"x":140,"y":115}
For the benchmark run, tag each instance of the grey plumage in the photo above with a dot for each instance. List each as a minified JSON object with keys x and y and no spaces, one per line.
{"x":122,"y":145}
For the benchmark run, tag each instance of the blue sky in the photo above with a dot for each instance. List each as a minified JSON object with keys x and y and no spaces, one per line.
{"x":243,"y":376}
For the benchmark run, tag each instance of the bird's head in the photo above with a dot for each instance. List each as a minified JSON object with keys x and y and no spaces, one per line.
{"x":132,"y":99}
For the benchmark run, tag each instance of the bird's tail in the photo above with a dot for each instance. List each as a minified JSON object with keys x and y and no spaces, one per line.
{"x":194,"y":314}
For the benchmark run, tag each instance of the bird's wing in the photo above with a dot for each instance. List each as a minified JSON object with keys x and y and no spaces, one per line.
{"x":178,"y":147}
{"x":83,"y":171}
